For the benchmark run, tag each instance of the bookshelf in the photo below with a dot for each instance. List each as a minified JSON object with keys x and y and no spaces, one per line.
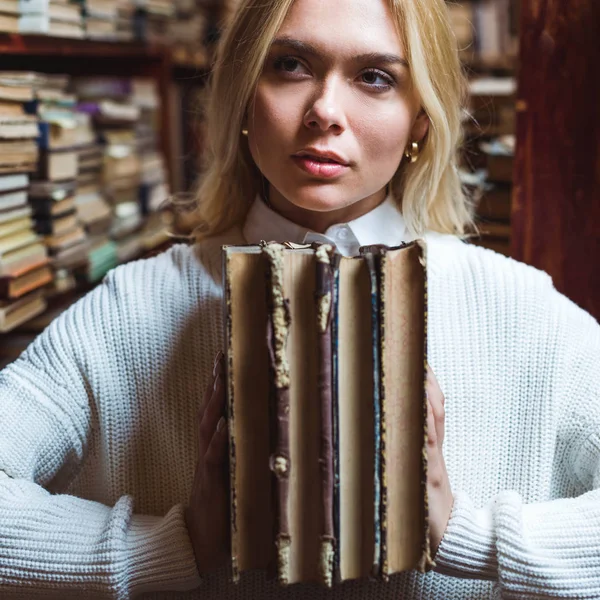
{"x":83,"y":57}
{"x":181,"y":72}
{"x":487,"y":34}
{"x":167,"y":67}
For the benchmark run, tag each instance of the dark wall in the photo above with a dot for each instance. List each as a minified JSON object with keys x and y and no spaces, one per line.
{"x":556,"y":197}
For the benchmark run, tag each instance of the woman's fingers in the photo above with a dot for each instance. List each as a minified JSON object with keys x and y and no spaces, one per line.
{"x":432,"y":438}
{"x":215,"y":407}
{"x":437,"y":402}
{"x":216,"y":453}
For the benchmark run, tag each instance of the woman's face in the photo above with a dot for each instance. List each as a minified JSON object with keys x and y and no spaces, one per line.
{"x":335,"y":81}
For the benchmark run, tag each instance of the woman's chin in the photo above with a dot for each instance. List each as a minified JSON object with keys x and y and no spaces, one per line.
{"x":319,"y":203}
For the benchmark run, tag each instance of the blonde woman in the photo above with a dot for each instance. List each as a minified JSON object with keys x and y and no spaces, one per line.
{"x":332,"y":121}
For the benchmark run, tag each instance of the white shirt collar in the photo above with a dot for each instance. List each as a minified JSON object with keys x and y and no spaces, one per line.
{"x":382,"y":225}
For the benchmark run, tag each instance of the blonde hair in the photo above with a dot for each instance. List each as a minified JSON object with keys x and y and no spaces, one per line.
{"x":430,"y":189}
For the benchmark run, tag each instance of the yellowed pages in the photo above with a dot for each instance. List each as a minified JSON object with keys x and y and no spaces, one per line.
{"x":304,"y":501}
{"x":248,"y":391}
{"x":403,"y":393}
{"x":355,"y":410}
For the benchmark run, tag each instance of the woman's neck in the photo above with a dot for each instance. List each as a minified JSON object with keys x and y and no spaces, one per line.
{"x":320,"y":221}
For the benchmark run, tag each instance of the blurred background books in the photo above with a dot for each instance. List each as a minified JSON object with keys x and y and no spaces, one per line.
{"x":101,"y":122}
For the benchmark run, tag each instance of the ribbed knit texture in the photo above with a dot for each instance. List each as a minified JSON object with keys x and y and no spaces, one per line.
{"x":98,"y":440}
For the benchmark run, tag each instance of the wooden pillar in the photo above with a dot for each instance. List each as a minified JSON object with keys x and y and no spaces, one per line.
{"x":556,"y":196}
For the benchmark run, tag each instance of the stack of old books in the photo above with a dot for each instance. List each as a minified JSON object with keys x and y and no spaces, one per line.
{"x":186,"y":33}
{"x":52,"y":194}
{"x":24,"y":266}
{"x":492,"y":106}
{"x":126,"y":20}
{"x":60,"y":18}
{"x":154,"y":187}
{"x":93,"y":210}
{"x":100,"y":19}
{"x":327,"y":411}
{"x":108,"y":101}
{"x":154,"y":17}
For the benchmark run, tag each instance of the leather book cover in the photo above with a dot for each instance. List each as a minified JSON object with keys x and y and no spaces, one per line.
{"x":298,"y":416}
{"x":326,"y":402}
{"x":247,"y":390}
{"x":324,"y":301}
{"x":354,"y":430}
{"x":403,"y":338}
{"x":335,"y":420}
{"x":371,"y":255}
{"x":278,"y":329}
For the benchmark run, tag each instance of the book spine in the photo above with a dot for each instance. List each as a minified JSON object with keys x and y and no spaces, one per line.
{"x":230,"y":416}
{"x":278,"y":325}
{"x":426,"y":563}
{"x":324,"y":292}
{"x":371,"y":257}
{"x":335,"y":263}
{"x":384,"y":572}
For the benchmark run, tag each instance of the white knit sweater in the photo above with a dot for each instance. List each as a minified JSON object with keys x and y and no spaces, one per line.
{"x":97,"y":437}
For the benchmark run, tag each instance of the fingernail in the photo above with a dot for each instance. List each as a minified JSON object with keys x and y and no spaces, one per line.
{"x":217,"y":363}
{"x":218,"y":380}
{"x":221,"y":425}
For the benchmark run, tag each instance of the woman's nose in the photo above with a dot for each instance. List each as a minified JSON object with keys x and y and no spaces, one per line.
{"x":326,"y":111}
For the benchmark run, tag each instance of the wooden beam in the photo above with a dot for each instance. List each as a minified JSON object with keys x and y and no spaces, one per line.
{"x":556,"y":196}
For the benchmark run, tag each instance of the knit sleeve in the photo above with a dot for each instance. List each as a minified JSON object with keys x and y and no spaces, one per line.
{"x":546,"y":548}
{"x":51,"y":543}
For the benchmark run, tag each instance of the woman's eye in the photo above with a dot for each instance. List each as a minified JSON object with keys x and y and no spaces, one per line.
{"x":377,"y":79}
{"x":287,"y":64}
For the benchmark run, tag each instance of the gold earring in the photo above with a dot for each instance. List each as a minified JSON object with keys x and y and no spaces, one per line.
{"x":413,"y":153}
{"x":244,"y":132}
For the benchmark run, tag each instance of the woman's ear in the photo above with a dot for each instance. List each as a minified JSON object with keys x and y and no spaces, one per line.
{"x":420,"y":127}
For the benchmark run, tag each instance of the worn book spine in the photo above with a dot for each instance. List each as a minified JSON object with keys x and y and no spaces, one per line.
{"x":230,"y":417}
{"x":371,"y":255}
{"x":426,"y":563}
{"x":335,"y":263}
{"x":278,"y":324}
{"x":383,"y":412}
{"x":324,"y":299}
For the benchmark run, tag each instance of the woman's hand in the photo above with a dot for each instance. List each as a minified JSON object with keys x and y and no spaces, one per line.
{"x":438,"y":484}
{"x":207,"y":516}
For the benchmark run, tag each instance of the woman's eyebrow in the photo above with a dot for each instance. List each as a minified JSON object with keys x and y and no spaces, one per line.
{"x":306,"y":48}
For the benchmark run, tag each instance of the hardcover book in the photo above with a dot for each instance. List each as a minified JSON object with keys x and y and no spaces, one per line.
{"x":327,"y":411}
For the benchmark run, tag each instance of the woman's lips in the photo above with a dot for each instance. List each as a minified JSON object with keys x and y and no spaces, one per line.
{"x":320,"y":169}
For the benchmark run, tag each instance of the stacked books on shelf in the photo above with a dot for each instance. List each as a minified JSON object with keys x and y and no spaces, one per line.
{"x":60,"y":18}
{"x":24,"y":268}
{"x":486,"y":30}
{"x":125,"y":180}
{"x":490,"y":145}
{"x":109,"y":20}
{"x":81,"y":183}
{"x":50,"y":17}
{"x":100,"y":19}
{"x":186,"y":33}
{"x":62,"y":132}
{"x":180,"y":25}
{"x":487,"y":36}
{"x":127,"y":29}
{"x":154,"y":17}
{"x":107,"y":101}
{"x":154,"y":187}
{"x":327,"y":411}
{"x":93,"y":209}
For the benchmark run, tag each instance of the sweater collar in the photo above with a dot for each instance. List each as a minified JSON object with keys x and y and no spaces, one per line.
{"x":382,"y":225}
